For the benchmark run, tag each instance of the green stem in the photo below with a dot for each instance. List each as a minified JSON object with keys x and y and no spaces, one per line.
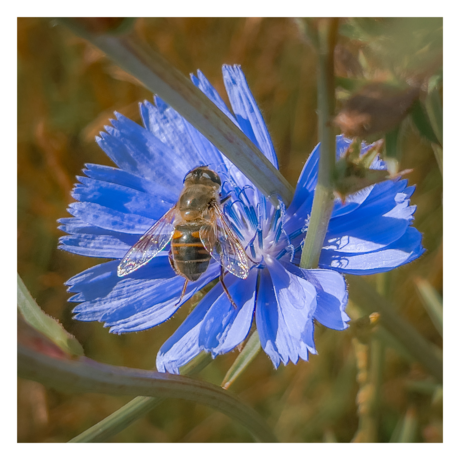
{"x":135,"y":409}
{"x":244,"y":359}
{"x":323,"y":201}
{"x":156,"y":74}
{"x":87,"y":376}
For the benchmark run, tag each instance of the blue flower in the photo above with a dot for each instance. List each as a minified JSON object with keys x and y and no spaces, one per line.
{"x":370,"y":233}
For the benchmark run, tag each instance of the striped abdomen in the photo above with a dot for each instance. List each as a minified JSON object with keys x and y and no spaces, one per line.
{"x":189,"y":257}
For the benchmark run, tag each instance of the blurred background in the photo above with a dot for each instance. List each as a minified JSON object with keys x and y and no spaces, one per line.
{"x":67,"y":92}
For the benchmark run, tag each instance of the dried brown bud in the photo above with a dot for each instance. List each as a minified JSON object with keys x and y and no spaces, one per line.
{"x":375,"y":108}
{"x":346,"y":64}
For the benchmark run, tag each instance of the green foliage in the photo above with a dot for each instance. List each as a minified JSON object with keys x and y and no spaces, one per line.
{"x":44,"y":323}
{"x":244,"y":359}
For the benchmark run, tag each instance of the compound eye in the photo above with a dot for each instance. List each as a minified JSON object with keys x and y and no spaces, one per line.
{"x":211,"y":175}
{"x":189,"y":175}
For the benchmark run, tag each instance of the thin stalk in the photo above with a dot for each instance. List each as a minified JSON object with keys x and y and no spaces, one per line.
{"x":135,"y":409}
{"x":244,"y":359}
{"x":409,"y":427}
{"x":323,"y":201}
{"x":160,"y":77}
{"x":432,"y":302}
{"x":377,"y":361}
{"x":365,"y":426}
{"x":369,"y":301}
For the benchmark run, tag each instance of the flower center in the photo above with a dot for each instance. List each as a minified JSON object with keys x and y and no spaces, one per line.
{"x":259,"y":225}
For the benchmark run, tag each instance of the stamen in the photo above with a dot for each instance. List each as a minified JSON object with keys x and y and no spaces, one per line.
{"x":278,"y":231}
{"x":238,"y":219}
{"x":237,"y":231}
{"x":288,"y":249}
{"x":281,"y":253}
{"x":274,"y":221}
{"x":295,"y":234}
{"x":261,"y":238}
{"x":250,"y":211}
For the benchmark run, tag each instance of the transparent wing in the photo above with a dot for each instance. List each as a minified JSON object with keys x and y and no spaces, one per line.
{"x":149,"y":245}
{"x":220,"y":241}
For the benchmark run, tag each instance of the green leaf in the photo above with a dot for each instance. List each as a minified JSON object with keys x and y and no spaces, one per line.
{"x":349,"y":84}
{"x":369,"y":301}
{"x":409,"y":426}
{"x":247,"y":355}
{"x":87,"y":376}
{"x":156,"y":74}
{"x":434,"y":106}
{"x":438,"y":154}
{"x":422,"y":122}
{"x":47,"y":325}
{"x":432,"y":302}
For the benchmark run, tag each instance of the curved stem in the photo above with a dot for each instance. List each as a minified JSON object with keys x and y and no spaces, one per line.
{"x":87,"y":376}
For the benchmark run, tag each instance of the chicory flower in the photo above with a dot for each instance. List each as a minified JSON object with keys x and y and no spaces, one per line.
{"x":370,"y":233}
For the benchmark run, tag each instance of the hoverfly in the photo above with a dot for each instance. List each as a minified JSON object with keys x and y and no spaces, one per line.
{"x":197,"y":229}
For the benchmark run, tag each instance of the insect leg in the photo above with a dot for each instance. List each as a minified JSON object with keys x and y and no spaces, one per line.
{"x":183,"y":292}
{"x":225,"y":198}
{"x":221,"y":279}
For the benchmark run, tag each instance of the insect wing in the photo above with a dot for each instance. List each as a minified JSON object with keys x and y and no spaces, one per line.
{"x":222,"y":244}
{"x":149,"y":245}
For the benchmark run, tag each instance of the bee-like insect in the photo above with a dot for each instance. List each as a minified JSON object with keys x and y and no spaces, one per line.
{"x":197,"y":229}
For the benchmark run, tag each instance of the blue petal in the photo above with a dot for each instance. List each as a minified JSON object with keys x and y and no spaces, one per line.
{"x":208,"y":152}
{"x":381,"y":199}
{"x":225,"y":327}
{"x":159,"y":313}
{"x":352,"y":202}
{"x":120,"y":198}
{"x":139,"y":152}
{"x":367,"y":235}
{"x":307,"y":181}
{"x":90,"y":245}
{"x":285,"y":307}
{"x":98,"y":281}
{"x":169,"y":127}
{"x":138,"y":304}
{"x":400,"y":252}
{"x":203,"y":83}
{"x":247,"y":112}
{"x":74,"y":225}
{"x":267,"y":317}
{"x":332,"y":298}
{"x":379,"y":221}
{"x":104,"y":217}
{"x":183,"y":345}
{"x":120,"y":177}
